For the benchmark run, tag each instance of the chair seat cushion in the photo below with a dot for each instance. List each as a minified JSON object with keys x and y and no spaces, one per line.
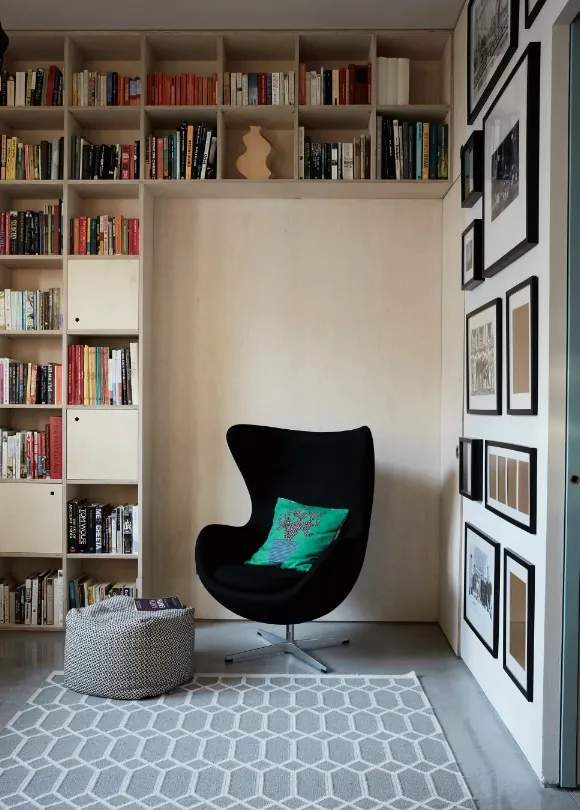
{"x":257,"y":578}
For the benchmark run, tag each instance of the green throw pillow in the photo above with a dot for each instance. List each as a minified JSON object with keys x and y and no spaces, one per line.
{"x":299,"y":535}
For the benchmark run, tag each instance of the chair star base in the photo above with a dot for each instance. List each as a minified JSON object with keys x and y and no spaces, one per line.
{"x":279,"y":644}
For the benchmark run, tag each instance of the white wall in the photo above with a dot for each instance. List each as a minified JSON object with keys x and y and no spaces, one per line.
{"x":318,"y":315}
{"x":534,"y":725}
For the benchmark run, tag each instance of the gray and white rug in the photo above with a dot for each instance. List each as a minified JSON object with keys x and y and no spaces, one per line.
{"x":231,"y":742}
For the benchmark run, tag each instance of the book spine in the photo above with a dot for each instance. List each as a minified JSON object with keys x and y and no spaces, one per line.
{"x":425,"y":152}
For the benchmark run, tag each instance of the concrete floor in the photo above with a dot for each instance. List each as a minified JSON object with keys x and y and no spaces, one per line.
{"x":496,"y":770}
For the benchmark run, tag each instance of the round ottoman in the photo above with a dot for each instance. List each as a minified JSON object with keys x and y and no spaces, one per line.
{"x":114,"y":651}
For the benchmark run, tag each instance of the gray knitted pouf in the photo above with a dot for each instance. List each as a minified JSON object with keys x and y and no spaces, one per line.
{"x":112,"y":650}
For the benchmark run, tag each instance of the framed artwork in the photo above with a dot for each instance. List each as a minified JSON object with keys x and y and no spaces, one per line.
{"x":481,"y":583}
{"x":472,"y":169}
{"x":510,"y":483}
{"x":483,"y":352}
{"x":518,"y":622}
{"x":511,"y":134}
{"x":533,"y":8}
{"x":522,"y":348}
{"x":471,"y":468}
{"x":472,"y":256}
{"x":492,"y":40}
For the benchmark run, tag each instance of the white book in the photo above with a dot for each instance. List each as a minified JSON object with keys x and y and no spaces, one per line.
{"x":20,"y":99}
{"x":245,"y":89}
{"x":314,"y":84}
{"x":275,"y":88}
{"x":8,"y":308}
{"x":403,"y":81}
{"x":34,"y":602}
{"x":2,"y":310}
{"x":135,"y":529}
{"x":397,"y":147}
{"x":382,"y":68}
{"x":286,"y":90}
{"x":308,"y":88}
{"x":233,"y":92}
{"x":2,"y":602}
{"x":60,"y":598}
{"x":392,"y":80}
{"x":239,"y":88}
{"x":301,"y":153}
{"x":114,"y":531}
{"x":291,"y":87}
{"x":334,"y":162}
{"x":347,"y":161}
{"x":318,"y":90}
{"x":134,"y":349}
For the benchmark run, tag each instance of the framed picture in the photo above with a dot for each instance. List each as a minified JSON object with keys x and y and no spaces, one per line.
{"x":471,"y":468}
{"x":522,"y":348}
{"x":492,"y":40}
{"x":533,"y":8}
{"x":483,"y":358}
{"x":472,"y":169}
{"x":472,"y":256}
{"x":518,"y":622}
{"x":481,"y":582}
{"x":511,"y":133}
{"x":510,"y":483}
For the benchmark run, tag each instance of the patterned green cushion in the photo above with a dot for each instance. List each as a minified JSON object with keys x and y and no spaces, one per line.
{"x":299,"y":534}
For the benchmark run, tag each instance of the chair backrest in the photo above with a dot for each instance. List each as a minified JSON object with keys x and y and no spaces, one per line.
{"x":335,"y":469}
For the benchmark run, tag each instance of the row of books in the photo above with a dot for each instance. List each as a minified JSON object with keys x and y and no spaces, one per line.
{"x":30,"y":310}
{"x":188,"y":154}
{"x":32,"y":233}
{"x":91,"y":88}
{"x":99,"y":528}
{"x":99,"y":375}
{"x":31,"y":88}
{"x":32,"y":454}
{"x":30,"y":384}
{"x":84,"y":591}
{"x":37,"y":601}
{"x":31,"y":161}
{"x":243,"y":89}
{"x":184,"y":89}
{"x":334,"y":161}
{"x":336,"y":86}
{"x":412,"y":151}
{"x":393,"y":80}
{"x":104,"y":236}
{"x":118,"y":161}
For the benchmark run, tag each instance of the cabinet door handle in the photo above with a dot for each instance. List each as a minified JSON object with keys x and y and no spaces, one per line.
{"x":77,"y":320}
{"x":52,"y":493}
{"x":76,"y":418}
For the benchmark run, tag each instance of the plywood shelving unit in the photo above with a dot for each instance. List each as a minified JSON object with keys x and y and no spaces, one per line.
{"x":106,"y":449}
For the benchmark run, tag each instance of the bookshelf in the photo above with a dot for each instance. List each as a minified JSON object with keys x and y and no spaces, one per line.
{"x":106,"y":449}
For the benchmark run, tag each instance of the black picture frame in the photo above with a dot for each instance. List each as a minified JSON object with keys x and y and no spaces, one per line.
{"x":532,"y":134}
{"x":475,"y":227}
{"x":532,"y":283}
{"x":498,"y":359}
{"x":473,"y":146}
{"x":532,"y":454}
{"x":475,"y":492}
{"x":493,"y":649}
{"x":527,"y":690}
{"x":514,"y":13}
{"x":531,"y":15}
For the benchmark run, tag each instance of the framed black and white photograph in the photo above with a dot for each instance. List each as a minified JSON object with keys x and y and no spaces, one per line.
{"x":518,"y":622}
{"x":510,"y":483}
{"x":472,"y":169}
{"x":481,"y":584}
{"x":511,"y":131}
{"x":492,"y":40}
{"x":483,"y":353}
{"x":522,"y":348}
{"x":471,"y":468}
{"x":472,"y":256}
{"x":533,"y":8}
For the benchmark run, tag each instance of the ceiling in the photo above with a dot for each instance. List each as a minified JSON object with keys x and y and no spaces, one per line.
{"x":142,"y":15}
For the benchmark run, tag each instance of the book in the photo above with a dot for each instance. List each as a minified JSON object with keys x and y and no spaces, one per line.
{"x":403,"y":66}
{"x":165,"y":603}
{"x":91,"y":88}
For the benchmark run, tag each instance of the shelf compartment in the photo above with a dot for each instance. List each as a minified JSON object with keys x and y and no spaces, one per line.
{"x":50,"y":190}
{"x":107,"y":118}
{"x":33,"y":118}
{"x":165,"y":118}
{"x":37,"y":263}
{"x":111,"y":189}
{"x":432,"y":113}
{"x":267,"y":48}
{"x":325,"y":47}
{"x":102,"y":444}
{"x":430,"y":63}
{"x":90,"y":304}
{"x":264,"y":115}
{"x":340,"y":116}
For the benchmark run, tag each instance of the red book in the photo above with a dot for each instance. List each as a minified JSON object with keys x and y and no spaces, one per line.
{"x":302,"y":85}
{"x":198,"y":88}
{"x":58,"y":384}
{"x":126,"y":99}
{"x":262,"y":89}
{"x":80,"y":374}
{"x":83,"y":236}
{"x":184,"y":88}
{"x":2,"y":235}
{"x":55,"y":447}
{"x":342,"y":86}
{"x":125,"y":162}
{"x":204,"y":91}
{"x":42,"y":448}
{"x":214,"y":90}
{"x":189,"y":93}
{"x":71,"y":375}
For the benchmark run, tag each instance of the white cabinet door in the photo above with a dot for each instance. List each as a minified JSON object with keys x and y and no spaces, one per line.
{"x":103,"y":294}
{"x":102,"y":445}
{"x":31,"y":518}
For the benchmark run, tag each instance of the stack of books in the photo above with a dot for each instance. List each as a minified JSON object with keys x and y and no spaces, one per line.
{"x":346,"y":85}
{"x":188,"y":154}
{"x":31,"y":88}
{"x":30,"y":384}
{"x":84,"y":591}
{"x":104,"y":236}
{"x":412,"y":151}
{"x":334,"y":161}
{"x":93,"y":89}
{"x":99,"y":375}
{"x":30,"y":310}
{"x":32,"y":233}
{"x":184,"y":89}
{"x":104,"y":161}
{"x":99,"y":528}
{"x":32,"y":454}
{"x":244,"y":89}
{"x":37,"y":601}
{"x":31,"y":161}
{"x":393,"y":81}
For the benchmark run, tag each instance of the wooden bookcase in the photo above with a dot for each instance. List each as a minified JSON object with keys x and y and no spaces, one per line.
{"x":106,"y":450}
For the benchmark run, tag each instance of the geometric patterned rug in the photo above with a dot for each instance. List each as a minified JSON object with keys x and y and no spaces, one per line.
{"x":228,"y":742}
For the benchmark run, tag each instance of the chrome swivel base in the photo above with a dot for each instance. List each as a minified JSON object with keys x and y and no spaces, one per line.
{"x":278,"y":644}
